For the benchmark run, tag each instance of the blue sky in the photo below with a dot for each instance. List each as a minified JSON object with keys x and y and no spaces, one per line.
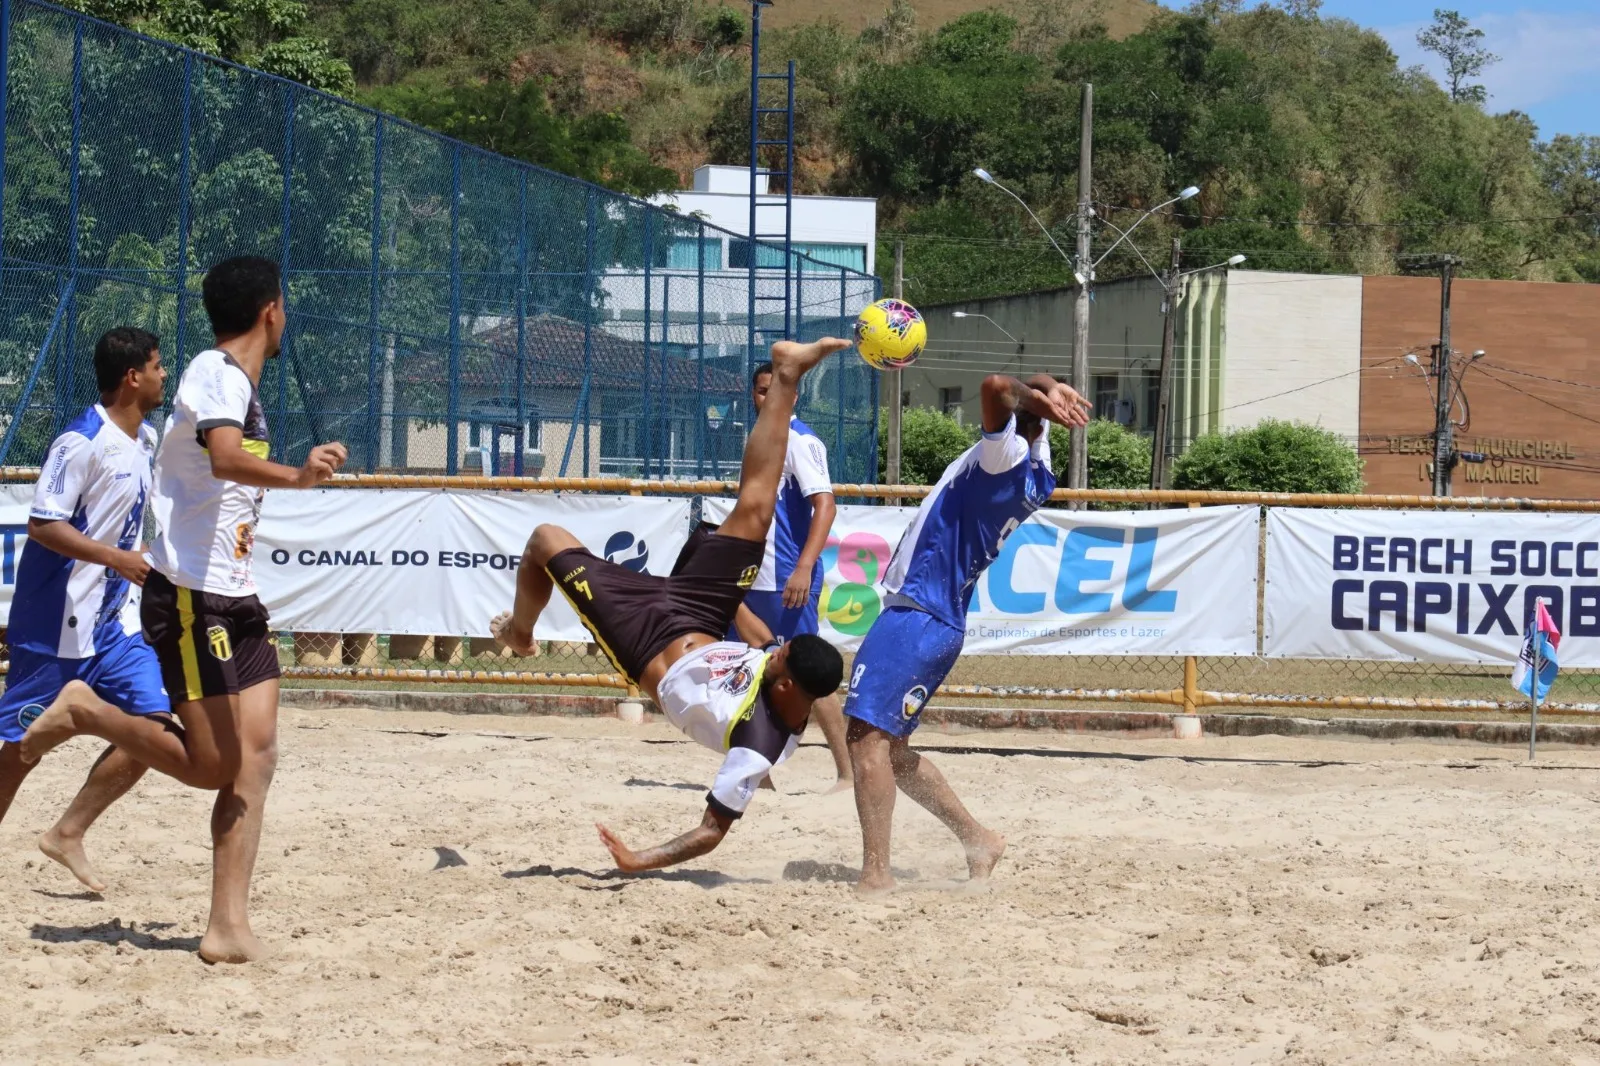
{"x":1549,"y":49}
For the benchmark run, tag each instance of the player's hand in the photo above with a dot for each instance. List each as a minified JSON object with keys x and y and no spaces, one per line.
{"x":625,"y":859}
{"x":503,"y":628}
{"x":133,"y":566}
{"x":323,"y":462}
{"x":797,"y":590}
{"x":1065,"y":407}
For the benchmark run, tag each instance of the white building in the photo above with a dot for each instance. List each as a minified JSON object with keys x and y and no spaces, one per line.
{"x":837,"y":230}
{"x":1250,"y":345}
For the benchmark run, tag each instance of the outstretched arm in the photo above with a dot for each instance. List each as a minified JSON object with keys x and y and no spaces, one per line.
{"x":700,"y":840}
{"x":751,"y":629}
{"x":1042,"y":395}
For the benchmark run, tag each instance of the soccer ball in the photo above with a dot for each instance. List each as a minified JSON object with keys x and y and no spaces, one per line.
{"x":890,"y":334}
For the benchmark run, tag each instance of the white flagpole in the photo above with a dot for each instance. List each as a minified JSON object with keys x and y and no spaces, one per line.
{"x":1533,"y":687}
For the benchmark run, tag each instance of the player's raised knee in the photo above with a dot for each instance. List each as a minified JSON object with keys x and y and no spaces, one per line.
{"x":547,"y":542}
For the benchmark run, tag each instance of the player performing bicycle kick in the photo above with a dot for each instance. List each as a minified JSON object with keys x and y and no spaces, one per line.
{"x":665,"y":634}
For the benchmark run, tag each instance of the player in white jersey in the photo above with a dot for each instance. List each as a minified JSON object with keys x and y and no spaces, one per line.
{"x":200,"y":610}
{"x":982,"y":497}
{"x":789,"y":585}
{"x":73,"y":617}
{"x":666,"y":633}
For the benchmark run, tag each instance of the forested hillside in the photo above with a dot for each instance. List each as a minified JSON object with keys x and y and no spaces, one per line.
{"x":1312,"y":148}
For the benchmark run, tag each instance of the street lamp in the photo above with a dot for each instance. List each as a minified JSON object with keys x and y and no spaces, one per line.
{"x":1187,"y":193}
{"x":984,"y":175}
{"x":992,"y":322}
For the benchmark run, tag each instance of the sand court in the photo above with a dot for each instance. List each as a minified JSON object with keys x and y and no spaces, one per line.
{"x":434,"y":890}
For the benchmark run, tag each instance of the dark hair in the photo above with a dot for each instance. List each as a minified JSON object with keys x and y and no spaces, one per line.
{"x":235,"y":291}
{"x":119,"y":351}
{"x":764,"y":368}
{"x":1027,"y":425}
{"x":816,"y":666}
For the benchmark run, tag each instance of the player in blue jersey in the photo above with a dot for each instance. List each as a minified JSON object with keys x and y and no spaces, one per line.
{"x":983,"y":496}
{"x":72,"y":617}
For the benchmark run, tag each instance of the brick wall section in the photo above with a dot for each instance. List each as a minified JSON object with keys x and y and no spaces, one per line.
{"x":1547,"y":329}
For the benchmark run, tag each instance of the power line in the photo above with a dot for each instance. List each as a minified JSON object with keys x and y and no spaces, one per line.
{"x":1533,"y":395}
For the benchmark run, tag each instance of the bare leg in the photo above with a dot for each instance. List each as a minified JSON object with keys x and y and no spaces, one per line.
{"x":768,"y":443}
{"x":533,"y":588}
{"x":205,"y":754}
{"x":113,"y":774}
{"x":923,"y":782}
{"x":874,"y":777}
{"x":828,"y":714}
{"x":236,"y":829}
{"x":12,"y":772}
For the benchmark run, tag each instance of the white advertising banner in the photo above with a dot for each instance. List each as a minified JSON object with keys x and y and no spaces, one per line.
{"x":423,"y":562}
{"x":1428,"y":586}
{"x":15,"y":501}
{"x":1179,"y":582}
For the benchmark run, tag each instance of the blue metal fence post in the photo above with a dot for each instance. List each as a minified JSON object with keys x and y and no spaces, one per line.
{"x":700,"y":413}
{"x":664,"y":433}
{"x":68,"y":354}
{"x":5,"y":92}
{"x":522,"y":322}
{"x":877,"y":413}
{"x":581,"y":409}
{"x":840,"y":364}
{"x":592,"y":215}
{"x":375,"y":299}
{"x":453,"y":414}
{"x":186,"y":131}
{"x":285,"y":234}
{"x":646,"y":421}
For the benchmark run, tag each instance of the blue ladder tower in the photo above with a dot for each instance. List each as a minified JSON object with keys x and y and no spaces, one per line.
{"x":771,"y":311}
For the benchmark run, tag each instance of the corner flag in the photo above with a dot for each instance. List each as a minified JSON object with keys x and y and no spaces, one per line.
{"x":1548,"y":639}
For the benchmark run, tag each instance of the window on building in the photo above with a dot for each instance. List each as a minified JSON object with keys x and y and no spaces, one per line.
{"x":683,"y":253}
{"x":905,"y":399}
{"x":1107,"y":390}
{"x":851,"y":256}
{"x":950,"y":402}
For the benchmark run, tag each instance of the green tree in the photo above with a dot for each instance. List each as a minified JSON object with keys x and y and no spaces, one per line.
{"x":929,"y":441}
{"x":516,"y":121}
{"x":1460,"y":44}
{"x":270,"y":35}
{"x":1272,"y":456}
{"x":1118,"y":459}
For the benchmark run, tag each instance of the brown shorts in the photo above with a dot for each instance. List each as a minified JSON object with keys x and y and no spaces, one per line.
{"x":634,"y":616}
{"x":208,"y":645}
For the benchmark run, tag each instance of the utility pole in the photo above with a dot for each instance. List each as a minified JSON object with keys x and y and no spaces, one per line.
{"x":1169,"y":328}
{"x":1078,"y":468}
{"x":896,"y":389}
{"x":1443,"y":432}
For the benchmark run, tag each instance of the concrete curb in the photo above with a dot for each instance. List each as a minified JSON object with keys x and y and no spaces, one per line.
{"x":976,"y":719}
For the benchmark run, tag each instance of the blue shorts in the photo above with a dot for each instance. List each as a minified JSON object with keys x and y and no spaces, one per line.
{"x":786,"y":623}
{"x":125,"y":675}
{"x":902,"y":662}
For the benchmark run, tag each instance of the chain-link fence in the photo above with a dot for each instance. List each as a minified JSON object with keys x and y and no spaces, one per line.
{"x":449,"y":310}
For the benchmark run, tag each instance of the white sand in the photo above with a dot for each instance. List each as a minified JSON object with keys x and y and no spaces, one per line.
{"x":1385,"y":906}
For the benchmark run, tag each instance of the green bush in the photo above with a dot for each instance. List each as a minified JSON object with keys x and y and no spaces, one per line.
{"x":1118,"y":459}
{"x":1272,"y":456}
{"x":929,"y":441}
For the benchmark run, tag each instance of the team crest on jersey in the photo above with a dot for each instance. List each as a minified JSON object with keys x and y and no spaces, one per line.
{"x":748,"y":578}
{"x":221,"y":646}
{"x":737,"y":683}
{"x":912,"y":702}
{"x":29,"y":715}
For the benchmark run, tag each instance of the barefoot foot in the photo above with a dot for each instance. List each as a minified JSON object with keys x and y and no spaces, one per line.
{"x":501,"y":629}
{"x":983,"y":853}
{"x":844,"y":784}
{"x":55,"y":726}
{"x":69,"y":853}
{"x":875,"y":887}
{"x":791,"y":360}
{"x":231,"y":946}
